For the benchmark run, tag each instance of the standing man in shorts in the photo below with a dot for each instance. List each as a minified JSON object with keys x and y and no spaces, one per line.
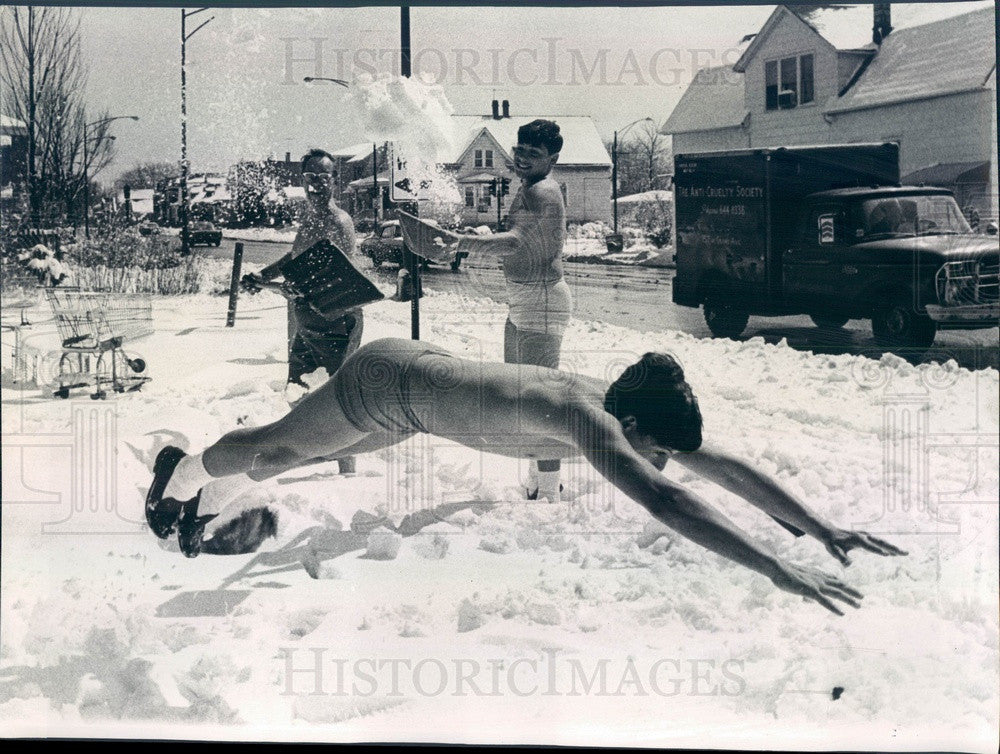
{"x":315,"y":340}
{"x":531,"y":250}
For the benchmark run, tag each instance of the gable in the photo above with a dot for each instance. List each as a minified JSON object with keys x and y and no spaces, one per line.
{"x":484,"y":140}
{"x":781,"y":25}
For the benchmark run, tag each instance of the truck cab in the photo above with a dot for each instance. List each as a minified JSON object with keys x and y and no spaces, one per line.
{"x":905,"y":257}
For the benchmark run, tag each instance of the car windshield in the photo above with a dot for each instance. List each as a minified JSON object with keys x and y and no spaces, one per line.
{"x":914,"y":215}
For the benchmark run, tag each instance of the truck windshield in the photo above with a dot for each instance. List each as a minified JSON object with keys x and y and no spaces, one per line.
{"x":915,"y":215}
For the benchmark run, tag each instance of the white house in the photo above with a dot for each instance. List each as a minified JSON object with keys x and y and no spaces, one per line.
{"x":583,"y":171}
{"x":845,"y":75}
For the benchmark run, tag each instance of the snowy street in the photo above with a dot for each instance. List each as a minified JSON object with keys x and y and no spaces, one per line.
{"x":640,"y":297}
{"x":535,"y":620}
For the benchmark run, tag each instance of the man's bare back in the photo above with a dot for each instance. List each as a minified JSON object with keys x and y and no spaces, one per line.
{"x":391,"y":389}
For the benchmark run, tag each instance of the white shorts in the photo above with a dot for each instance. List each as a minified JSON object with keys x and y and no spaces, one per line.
{"x":541,"y":307}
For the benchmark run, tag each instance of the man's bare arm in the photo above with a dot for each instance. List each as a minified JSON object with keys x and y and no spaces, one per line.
{"x":601,"y":441}
{"x":763,"y":492}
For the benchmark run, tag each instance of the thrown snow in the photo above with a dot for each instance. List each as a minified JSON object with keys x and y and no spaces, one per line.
{"x":106,"y":632}
{"x":415,"y":117}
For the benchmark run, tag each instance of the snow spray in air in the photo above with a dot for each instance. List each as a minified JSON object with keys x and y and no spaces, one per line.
{"x":415,"y":118}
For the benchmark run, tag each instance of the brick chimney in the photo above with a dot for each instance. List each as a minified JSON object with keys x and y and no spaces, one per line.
{"x":506,"y":108}
{"x":496,"y":110}
{"x":883,"y":22}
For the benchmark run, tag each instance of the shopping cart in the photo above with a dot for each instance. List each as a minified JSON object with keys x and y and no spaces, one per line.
{"x":93,"y":326}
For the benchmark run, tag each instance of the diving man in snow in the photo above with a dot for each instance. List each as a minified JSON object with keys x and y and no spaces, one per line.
{"x":392,"y":389}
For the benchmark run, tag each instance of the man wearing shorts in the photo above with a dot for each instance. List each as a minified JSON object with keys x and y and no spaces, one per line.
{"x":539,"y":299}
{"x":316,"y":340}
{"x":392,"y":389}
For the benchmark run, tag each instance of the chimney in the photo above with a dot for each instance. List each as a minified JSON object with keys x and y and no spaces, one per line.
{"x":288,"y":156}
{"x":496,"y":110}
{"x":883,"y":22}
{"x":506,"y":108}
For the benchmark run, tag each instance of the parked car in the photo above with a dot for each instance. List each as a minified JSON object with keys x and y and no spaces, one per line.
{"x":364,"y":222}
{"x":386,"y":245}
{"x":204,"y":233}
{"x":828,"y":232}
{"x":148,"y":228}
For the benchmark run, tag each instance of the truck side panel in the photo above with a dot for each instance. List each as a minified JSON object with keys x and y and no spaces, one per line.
{"x":721,"y":227}
{"x":738,"y":212}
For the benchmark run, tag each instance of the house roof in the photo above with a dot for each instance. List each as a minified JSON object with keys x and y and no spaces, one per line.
{"x":948,"y":173}
{"x":582,"y":144}
{"x":366,"y":182}
{"x":945,"y":57}
{"x":849,"y":26}
{"x":355,"y":151}
{"x":714,"y":99}
{"x":478,"y":178}
{"x":9,"y":125}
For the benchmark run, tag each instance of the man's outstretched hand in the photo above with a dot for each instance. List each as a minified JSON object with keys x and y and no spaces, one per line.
{"x":252,"y":282}
{"x":839,"y":541}
{"x":815,"y":585}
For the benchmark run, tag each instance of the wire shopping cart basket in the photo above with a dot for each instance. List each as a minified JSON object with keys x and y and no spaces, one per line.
{"x":93,"y":327}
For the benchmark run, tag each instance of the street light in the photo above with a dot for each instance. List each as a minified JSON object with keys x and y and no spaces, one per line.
{"x":86,"y":167}
{"x":614,"y":165}
{"x":310,"y":79}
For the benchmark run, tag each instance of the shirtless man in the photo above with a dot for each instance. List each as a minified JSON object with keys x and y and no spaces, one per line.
{"x":391,"y":389}
{"x":314,"y":340}
{"x":531,"y":252}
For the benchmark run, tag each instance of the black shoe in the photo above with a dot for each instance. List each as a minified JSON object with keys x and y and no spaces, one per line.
{"x":161,"y":512}
{"x":191,"y":527}
{"x":533,"y":495}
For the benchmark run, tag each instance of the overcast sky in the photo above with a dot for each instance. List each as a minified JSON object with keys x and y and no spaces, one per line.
{"x":246,"y":100}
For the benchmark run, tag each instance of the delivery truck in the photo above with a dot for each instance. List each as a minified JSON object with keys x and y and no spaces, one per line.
{"x":827,"y":231}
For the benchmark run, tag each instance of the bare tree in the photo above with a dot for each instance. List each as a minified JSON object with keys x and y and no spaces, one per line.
{"x":645,"y":161}
{"x":42,"y":80}
{"x":146,"y":175}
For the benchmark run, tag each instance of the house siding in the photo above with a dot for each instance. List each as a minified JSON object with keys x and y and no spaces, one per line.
{"x":588,"y":192}
{"x":803,"y":124}
{"x":711,"y":141}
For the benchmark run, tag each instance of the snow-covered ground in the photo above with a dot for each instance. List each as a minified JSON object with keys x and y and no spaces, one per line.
{"x":501,"y":620}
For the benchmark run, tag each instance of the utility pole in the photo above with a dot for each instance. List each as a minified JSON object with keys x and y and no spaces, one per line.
{"x":407,"y":71}
{"x":375,"y":196}
{"x":185,"y":168}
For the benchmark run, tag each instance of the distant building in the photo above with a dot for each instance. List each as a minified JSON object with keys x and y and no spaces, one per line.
{"x":141,"y":201}
{"x":583,"y":171}
{"x":13,"y":154}
{"x":818,"y":76}
{"x":483,"y":156}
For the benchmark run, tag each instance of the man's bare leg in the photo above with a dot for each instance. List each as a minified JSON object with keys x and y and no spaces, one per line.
{"x":539,"y":349}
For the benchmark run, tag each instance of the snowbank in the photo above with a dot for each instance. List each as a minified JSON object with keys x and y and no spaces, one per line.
{"x":451,"y":599}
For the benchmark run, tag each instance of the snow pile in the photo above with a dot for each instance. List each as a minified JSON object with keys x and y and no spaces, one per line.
{"x":593,"y":624}
{"x":259,"y":235}
{"x":592,"y":230}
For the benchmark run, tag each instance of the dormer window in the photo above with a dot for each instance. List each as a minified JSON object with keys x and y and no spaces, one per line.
{"x":483,"y":158}
{"x":788,"y":82}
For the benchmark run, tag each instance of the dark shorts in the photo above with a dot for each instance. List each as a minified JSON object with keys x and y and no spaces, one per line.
{"x":318,"y":342}
{"x":379,"y":388}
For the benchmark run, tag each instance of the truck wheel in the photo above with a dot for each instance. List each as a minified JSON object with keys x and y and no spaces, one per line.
{"x":895,"y":324}
{"x":725,"y":321}
{"x":828,"y":321}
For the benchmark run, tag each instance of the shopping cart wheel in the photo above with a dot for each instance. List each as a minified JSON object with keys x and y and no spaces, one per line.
{"x":62,"y":392}
{"x":137,"y":365}
{"x":98,"y":396}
